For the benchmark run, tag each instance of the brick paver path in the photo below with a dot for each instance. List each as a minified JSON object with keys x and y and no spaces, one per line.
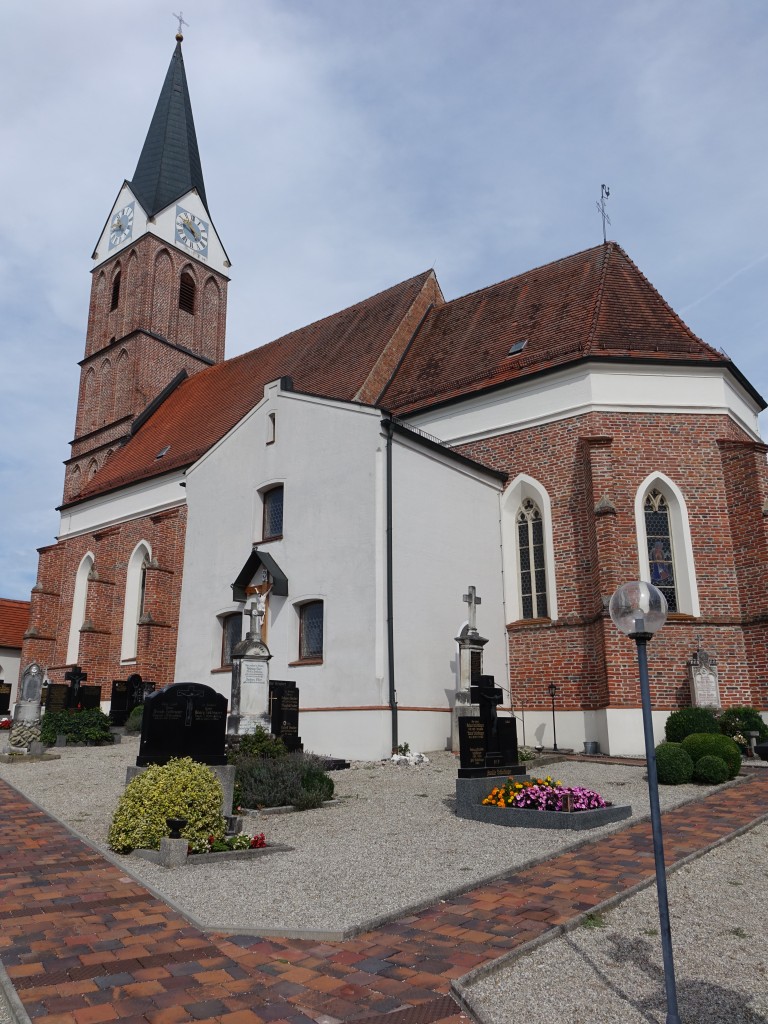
{"x":84,"y":943}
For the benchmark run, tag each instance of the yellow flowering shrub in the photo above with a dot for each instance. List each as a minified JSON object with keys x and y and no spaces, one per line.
{"x":182,"y":788}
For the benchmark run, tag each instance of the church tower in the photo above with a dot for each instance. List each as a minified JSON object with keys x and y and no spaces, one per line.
{"x":159,"y":291}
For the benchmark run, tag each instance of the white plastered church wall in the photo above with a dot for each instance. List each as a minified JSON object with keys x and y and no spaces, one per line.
{"x":446,"y":537}
{"x":330,"y":458}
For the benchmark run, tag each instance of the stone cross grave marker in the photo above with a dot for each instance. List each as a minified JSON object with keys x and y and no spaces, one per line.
{"x":473,"y":601}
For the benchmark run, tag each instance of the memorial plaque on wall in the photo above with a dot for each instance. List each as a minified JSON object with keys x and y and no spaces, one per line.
{"x":183,"y":720}
{"x":57,"y":697}
{"x":5,"y":698}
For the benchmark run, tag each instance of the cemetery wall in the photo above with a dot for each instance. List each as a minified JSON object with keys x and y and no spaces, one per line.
{"x":102,"y":629}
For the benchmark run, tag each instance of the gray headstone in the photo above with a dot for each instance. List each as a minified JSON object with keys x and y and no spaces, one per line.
{"x":32,"y":683}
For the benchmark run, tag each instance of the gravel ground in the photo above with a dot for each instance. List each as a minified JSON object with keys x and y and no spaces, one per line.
{"x":611,"y":969}
{"x":390,"y":843}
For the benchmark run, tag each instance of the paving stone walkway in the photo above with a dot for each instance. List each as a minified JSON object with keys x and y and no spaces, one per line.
{"x":84,"y":943}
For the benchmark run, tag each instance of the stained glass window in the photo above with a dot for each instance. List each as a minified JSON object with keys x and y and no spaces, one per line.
{"x":273,"y":514}
{"x":533,"y":575}
{"x":311,"y":630}
{"x":659,"y":541}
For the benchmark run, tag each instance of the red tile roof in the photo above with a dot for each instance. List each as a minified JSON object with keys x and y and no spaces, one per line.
{"x":595,"y":303}
{"x":14,"y":619}
{"x":331,"y":357}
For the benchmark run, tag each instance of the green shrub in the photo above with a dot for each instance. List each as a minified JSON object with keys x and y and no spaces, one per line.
{"x":710,"y":769}
{"x":701,"y":744}
{"x":741,"y":720}
{"x":296,"y":779}
{"x":259,"y":743}
{"x":78,"y":726}
{"x":674,"y":766}
{"x":688,"y":720}
{"x":183,"y":788}
{"x":134,"y":720}
{"x":525,"y":754}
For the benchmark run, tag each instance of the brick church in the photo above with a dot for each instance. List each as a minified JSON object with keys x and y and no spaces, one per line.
{"x":543,"y":439}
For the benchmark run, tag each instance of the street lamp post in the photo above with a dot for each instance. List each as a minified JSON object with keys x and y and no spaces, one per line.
{"x":552,"y":693}
{"x":639,"y":610}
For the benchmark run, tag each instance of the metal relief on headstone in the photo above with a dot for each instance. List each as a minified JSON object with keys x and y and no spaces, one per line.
{"x":705,"y":687}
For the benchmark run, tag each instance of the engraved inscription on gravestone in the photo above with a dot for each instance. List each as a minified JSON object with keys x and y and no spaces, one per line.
{"x":703,"y":674}
{"x":183,"y":720}
{"x":284,"y":713}
{"x":57,"y":697}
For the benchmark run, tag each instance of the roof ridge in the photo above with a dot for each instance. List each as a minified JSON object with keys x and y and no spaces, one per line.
{"x":315,"y":323}
{"x":523,"y":273}
{"x":607,"y":253}
{"x":650,"y":285}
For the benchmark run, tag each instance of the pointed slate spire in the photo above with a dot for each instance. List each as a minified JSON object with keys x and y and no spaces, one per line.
{"x":169,"y":165}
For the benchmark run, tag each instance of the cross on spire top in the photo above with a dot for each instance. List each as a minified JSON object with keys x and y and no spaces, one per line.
{"x":180,"y":16}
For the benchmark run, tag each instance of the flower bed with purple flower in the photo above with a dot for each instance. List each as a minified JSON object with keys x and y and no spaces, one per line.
{"x":545,"y":794}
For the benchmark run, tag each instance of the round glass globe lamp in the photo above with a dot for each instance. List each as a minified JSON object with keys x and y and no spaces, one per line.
{"x":638,"y":607}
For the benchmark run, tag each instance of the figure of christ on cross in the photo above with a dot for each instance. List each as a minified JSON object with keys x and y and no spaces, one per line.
{"x":473,"y":601}
{"x":76,"y":676}
{"x":257,"y":608}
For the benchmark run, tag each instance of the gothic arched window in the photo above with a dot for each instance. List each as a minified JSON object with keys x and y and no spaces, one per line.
{"x":79,"y":602}
{"x":658,"y":537}
{"x":533,"y":572}
{"x":135,"y":593}
{"x":115,"y":292}
{"x":187,"y":293}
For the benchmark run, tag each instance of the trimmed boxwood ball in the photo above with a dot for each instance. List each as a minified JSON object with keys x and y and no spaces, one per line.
{"x":183,"y":788}
{"x":689,"y":720}
{"x":710,"y":769}
{"x":702,"y":744}
{"x":674,"y":766}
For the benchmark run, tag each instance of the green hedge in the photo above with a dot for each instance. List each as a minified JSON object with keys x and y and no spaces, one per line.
{"x":743,"y":720}
{"x":689,"y":720}
{"x":710,"y":769}
{"x":297,"y":779}
{"x":78,"y":726}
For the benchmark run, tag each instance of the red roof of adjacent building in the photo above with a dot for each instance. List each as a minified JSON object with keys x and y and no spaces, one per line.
{"x":14,"y":619}
{"x":332,"y":357}
{"x":593,"y":304}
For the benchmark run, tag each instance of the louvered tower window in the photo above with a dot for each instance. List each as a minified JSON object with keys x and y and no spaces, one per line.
{"x":533,"y":575}
{"x":187,"y":293}
{"x":115,"y":292}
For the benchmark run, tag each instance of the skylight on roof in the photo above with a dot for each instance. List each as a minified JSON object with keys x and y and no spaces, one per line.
{"x":518,"y":347}
{"x":163,"y":451}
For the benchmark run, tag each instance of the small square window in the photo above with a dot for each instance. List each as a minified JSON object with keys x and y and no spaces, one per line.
{"x":232,"y":634}
{"x":311,"y":630}
{"x":273,"y":514}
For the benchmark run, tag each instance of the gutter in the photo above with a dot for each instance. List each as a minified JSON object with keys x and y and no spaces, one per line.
{"x":390,"y":427}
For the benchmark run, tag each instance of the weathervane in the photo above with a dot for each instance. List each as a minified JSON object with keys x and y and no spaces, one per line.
{"x":180,"y":16}
{"x":604,"y":194}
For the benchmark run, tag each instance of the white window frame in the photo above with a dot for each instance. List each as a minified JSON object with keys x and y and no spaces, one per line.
{"x":522,"y":487}
{"x":130,"y":642}
{"x":686,"y":588}
{"x":79,"y":604}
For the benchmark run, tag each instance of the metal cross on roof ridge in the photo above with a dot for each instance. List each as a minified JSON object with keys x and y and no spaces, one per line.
{"x":604,"y":194}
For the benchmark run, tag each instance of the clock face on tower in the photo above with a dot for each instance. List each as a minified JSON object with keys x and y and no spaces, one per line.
{"x":191,"y":231}
{"x":121,"y":226}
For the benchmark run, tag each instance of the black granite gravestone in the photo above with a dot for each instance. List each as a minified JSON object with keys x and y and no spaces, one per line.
{"x":118,"y":702}
{"x":488,"y":744}
{"x":88,"y":697}
{"x":126,"y":695}
{"x":183,"y":720}
{"x":5,"y":698}
{"x":284,"y":713}
{"x":56,"y":697}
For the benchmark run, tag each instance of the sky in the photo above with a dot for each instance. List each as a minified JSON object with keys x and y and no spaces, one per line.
{"x":350,"y":144}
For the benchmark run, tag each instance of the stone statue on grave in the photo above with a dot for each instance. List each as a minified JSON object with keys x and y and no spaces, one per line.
{"x":257,"y":612}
